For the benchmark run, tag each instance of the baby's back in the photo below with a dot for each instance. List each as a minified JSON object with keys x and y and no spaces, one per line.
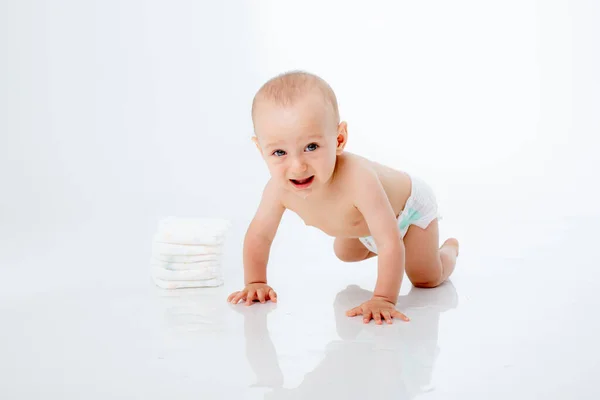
{"x":397,"y":184}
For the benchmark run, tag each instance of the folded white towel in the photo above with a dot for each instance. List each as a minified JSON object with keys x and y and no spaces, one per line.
{"x":205,"y":238}
{"x":204,"y":231}
{"x":186,"y":252}
{"x":172,"y":258}
{"x":184,"y":249}
{"x":188,"y":284}
{"x":201,"y":265}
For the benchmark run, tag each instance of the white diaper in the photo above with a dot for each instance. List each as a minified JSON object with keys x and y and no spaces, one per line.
{"x":420,"y":209}
{"x":187,"y":252}
{"x":173,"y":258}
{"x":184,"y":249}
{"x":185,"y":266}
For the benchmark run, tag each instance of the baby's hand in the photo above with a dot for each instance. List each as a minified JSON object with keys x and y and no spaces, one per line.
{"x":254,"y":291}
{"x":377,"y":309}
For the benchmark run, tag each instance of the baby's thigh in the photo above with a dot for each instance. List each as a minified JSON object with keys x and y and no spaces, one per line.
{"x":422,"y":259}
{"x":350,"y":249}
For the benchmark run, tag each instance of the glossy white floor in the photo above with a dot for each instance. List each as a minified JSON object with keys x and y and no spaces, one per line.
{"x":107,"y":130}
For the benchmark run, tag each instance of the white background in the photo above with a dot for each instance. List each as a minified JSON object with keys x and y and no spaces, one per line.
{"x":114,"y":114}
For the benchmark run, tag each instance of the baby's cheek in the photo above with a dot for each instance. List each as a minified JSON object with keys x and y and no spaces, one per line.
{"x":328,"y":165}
{"x":278,"y":171}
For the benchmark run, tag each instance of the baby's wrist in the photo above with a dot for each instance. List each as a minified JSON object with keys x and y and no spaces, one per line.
{"x":253,"y":282}
{"x":389,"y":299}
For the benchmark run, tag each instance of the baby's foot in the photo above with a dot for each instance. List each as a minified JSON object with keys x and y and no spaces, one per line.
{"x":452,"y":242}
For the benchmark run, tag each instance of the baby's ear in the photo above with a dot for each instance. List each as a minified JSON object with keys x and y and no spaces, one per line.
{"x":255,"y":140}
{"x":342,"y":137}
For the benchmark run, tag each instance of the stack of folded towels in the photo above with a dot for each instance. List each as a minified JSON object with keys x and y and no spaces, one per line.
{"x":186,"y":252}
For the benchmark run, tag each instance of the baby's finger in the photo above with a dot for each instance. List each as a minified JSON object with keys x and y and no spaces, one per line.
{"x":238,"y":297}
{"x":251,"y":296}
{"x":387,"y":316}
{"x":261,"y":295}
{"x":231,"y":296}
{"x":354,"y":312}
{"x":273,"y":296}
{"x":377,"y":317}
{"x":367,"y":316}
{"x":398,"y":314}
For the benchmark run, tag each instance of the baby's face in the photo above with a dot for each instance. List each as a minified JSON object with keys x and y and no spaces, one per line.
{"x":298,"y":143}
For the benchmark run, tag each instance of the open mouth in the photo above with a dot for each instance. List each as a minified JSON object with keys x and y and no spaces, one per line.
{"x":303,"y":183}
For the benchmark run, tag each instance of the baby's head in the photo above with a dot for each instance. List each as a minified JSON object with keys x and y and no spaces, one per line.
{"x":298,"y":130}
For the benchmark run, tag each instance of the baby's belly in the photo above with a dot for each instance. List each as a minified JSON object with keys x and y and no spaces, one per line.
{"x":345,"y":230}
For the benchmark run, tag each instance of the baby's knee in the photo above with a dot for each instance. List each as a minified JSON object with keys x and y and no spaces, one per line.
{"x":426,"y":277}
{"x":427,"y":284}
{"x":347,"y":256}
{"x":347,"y":251}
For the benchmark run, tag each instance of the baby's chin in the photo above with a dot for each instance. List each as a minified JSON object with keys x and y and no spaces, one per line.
{"x":304,"y":194}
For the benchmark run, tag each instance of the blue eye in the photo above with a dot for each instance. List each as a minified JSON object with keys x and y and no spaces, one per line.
{"x":279,"y":153}
{"x":312,"y":147}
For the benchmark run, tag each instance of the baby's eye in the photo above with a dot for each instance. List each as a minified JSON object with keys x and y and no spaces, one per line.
{"x":312,"y":147}
{"x":279,"y":153}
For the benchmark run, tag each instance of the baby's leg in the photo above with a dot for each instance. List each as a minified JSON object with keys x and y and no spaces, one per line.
{"x":426,"y":264}
{"x":351,"y":249}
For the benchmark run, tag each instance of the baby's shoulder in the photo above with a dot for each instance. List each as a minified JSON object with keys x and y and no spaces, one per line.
{"x":272,"y":192}
{"x":352,"y":168}
{"x":359,"y":173}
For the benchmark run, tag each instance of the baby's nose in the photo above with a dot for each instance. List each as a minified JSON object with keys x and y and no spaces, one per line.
{"x":299,"y":165}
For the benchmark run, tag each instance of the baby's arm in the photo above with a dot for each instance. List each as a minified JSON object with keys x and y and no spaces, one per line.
{"x":372,"y":202}
{"x":260,"y":235}
{"x":257,"y":246}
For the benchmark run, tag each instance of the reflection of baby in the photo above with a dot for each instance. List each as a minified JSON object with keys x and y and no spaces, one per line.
{"x":396,"y":362}
{"x":370,"y":209}
{"x":260,"y":350}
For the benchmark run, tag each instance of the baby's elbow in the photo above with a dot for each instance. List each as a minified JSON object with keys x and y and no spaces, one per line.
{"x":392,"y":244}
{"x":257,"y":240}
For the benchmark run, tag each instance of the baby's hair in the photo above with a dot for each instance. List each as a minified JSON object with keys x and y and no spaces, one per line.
{"x":289,"y":87}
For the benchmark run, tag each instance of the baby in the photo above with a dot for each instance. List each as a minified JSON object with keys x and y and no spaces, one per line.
{"x":370,"y":209}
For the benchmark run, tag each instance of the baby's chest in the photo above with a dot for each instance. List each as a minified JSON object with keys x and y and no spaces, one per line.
{"x":337,"y":220}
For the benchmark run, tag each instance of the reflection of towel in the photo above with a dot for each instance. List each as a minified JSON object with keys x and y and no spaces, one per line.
{"x":210,"y":272}
{"x":218,"y":281}
{"x":184,"y":250}
{"x":197,"y":266}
